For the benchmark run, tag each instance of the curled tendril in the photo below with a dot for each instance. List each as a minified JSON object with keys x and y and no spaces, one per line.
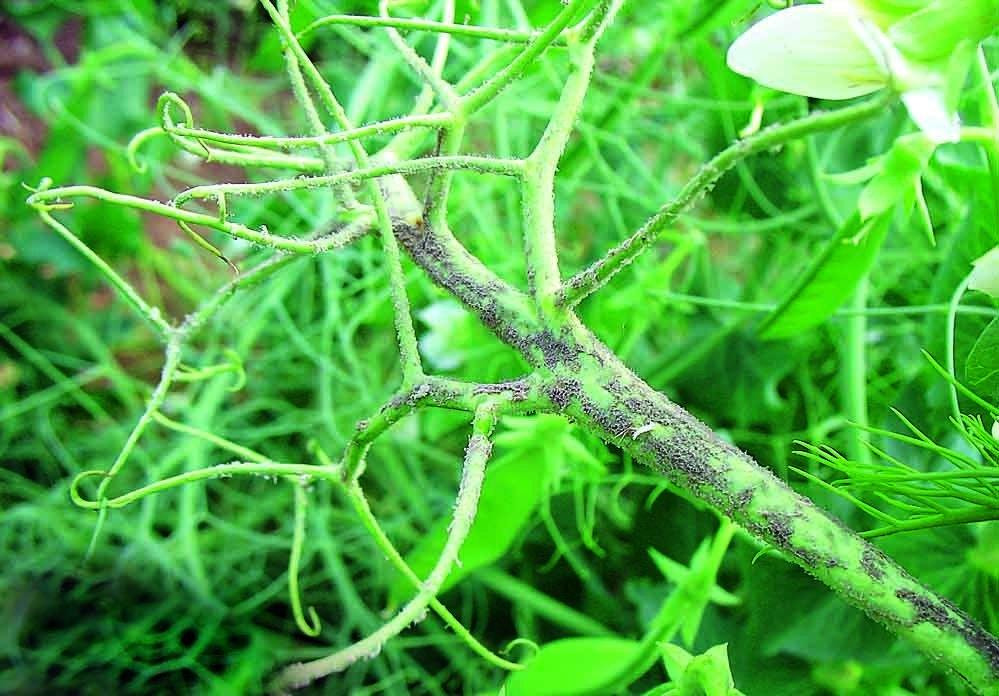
{"x":74,"y":489}
{"x":40,"y":203}
{"x":312,"y":626}
{"x":163,"y":104}
{"x":518,"y":642}
{"x":234,"y":364}
{"x":137,"y":141}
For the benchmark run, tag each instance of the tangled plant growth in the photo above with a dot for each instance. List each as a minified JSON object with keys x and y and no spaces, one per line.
{"x":394,"y":180}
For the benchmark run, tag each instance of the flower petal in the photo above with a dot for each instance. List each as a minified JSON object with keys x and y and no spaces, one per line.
{"x":928,"y":108}
{"x":985,"y":275}
{"x":812,"y":50}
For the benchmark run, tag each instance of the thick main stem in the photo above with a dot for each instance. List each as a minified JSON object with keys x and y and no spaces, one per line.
{"x":588,"y":383}
{"x":599,"y":392}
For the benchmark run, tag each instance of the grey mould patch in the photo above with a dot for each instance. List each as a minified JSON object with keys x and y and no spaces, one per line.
{"x":481,"y":296}
{"x":419,"y":392}
{"x":395,"y":402}
{"x":563,"y":392}
{"x":478,"y":445}
{"x":437,"y":260}
{"x":615,"y":422}
{"x":743,"y":499}
{"x":555,"y":350}
{"x":872,"y":561}
{"x":518,"y":389}
{"x":816,"y":559}
{"x":778,"y":527}
{"x":948,"y":617}
{"x":683,"y":454}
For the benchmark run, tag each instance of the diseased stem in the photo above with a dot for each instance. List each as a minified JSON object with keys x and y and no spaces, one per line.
{"x":574,"y":373}
{"x":520,"y":396}
{"x":587,"y":382}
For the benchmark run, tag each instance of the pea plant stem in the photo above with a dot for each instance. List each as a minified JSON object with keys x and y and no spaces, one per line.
{"x":572,"y":372}
{"x":539,"y":168}
{"x":584,"y":380}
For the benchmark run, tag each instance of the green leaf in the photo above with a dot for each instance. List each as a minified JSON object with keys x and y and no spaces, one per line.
{"x":982,"y":367}
{"x":512,"y":490}
{"x":708,"y":674}
{"x":831,"y":278}
{"x":896,"y":183}
{"x":571,"y":666}
{"x":269,"y":56}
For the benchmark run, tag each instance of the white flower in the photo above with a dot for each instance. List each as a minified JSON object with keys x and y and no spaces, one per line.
{"x":985,"y":274}
{"x":848,"y":48}
{"x":812,"y":50}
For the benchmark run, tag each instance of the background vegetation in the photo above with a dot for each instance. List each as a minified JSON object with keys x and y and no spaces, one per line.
{"x":188,"y":591}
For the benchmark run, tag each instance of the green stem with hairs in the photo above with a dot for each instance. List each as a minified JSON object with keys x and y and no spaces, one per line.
{"x":591,"y":279}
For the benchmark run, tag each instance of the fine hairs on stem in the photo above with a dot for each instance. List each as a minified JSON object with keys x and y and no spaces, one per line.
{"x":569,"y":371}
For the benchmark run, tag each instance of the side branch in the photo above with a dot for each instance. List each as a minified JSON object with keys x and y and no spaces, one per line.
{"x":473,"y":473}
{"x":516,"y":395}
{"x":588,"y":281}
{"x":538,"y":195}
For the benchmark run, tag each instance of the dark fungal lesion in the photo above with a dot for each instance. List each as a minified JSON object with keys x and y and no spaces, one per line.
{"x":555,"y":350}
{"x":872,"y":561}
{"x":518,"y":389}
{"x":948,"y":617}
{"x":563,"y":392}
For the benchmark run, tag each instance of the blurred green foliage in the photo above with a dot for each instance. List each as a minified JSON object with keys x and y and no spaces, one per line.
{"x":187,"y":592}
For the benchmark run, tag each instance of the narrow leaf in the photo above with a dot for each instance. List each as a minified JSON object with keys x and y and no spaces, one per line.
{"x":572,"y":666}
{"x":982,"y":367}
{"x":831,"y":278}
{"x":511,"y":492}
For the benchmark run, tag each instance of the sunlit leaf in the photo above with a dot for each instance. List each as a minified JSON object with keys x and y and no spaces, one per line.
{"x":571,"y":666}
{"x":512,"y":490}
{"x":982,"y":368}
{"x":831,"y":278}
